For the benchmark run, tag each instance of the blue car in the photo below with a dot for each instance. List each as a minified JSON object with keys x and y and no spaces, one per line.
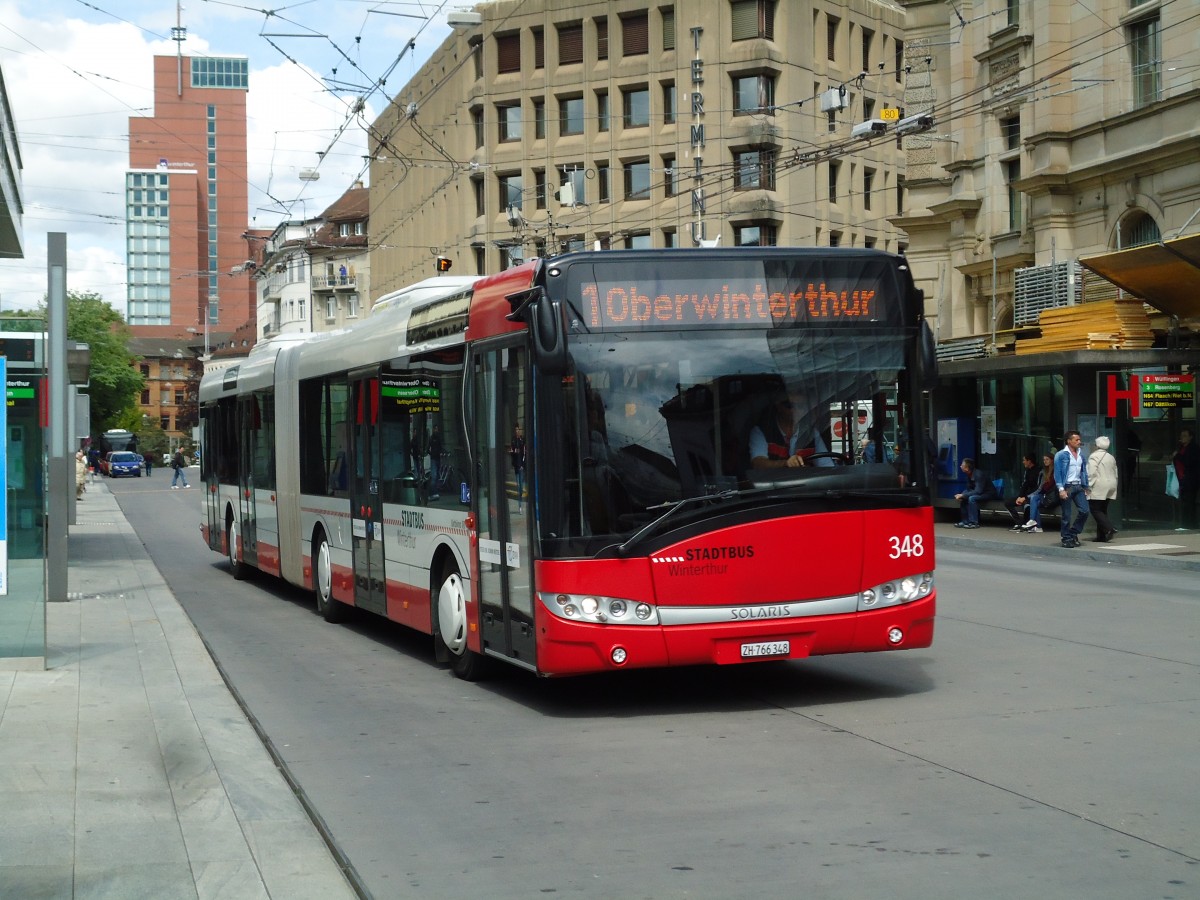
{"x":124,"y":462}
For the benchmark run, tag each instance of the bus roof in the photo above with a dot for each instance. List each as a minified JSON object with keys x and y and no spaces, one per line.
{"x":436,"y":288}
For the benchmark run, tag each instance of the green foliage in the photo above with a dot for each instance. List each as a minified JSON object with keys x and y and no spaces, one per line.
{"x":151,"y":437}
{"x":114,"y":383}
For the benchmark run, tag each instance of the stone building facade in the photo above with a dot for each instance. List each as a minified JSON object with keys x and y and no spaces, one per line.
{"x":1065,"y":148}
{"x":552,"y":126}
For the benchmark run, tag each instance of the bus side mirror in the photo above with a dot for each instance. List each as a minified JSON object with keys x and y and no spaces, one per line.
{"x":549,"y":336}
{"x":544,"y":318}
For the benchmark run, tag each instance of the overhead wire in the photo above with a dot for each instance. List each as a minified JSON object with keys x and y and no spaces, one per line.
{"x":845,"y":148}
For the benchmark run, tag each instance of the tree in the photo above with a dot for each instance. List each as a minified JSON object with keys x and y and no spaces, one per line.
{"x":187,"y":413}
{"x":114,"y":382}
{"x":151,"y":437}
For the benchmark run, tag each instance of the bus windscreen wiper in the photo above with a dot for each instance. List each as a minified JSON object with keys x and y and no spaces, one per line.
{"x":651,"y":526}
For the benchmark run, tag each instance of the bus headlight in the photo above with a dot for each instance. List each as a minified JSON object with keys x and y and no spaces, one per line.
{"x":598,"y":609}
{"x":893,"y":593}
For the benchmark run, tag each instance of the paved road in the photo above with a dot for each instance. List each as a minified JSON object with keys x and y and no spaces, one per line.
{"x":1044,"y":746}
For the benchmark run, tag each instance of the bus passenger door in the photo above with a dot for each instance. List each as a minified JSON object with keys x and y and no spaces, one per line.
{"x":505,"y":589}
{"x":212,"y":425}
{"x":249,"y":428}
{"x":366,"y":508}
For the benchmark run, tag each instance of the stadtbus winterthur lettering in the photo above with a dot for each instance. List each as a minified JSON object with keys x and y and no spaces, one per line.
{"x":631,"y":306}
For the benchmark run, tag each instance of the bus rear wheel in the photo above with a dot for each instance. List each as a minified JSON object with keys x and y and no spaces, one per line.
{"x":450,"y":629}
{"x":236,"y":567}
{"x":330,"y":609}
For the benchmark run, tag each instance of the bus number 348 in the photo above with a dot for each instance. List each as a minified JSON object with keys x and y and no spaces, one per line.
{"x":908,"y":545}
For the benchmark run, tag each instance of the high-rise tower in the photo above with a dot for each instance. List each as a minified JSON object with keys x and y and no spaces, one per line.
{"x":186,"y":200}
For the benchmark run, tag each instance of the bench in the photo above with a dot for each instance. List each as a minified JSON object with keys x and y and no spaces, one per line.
{"x":995,"y":506}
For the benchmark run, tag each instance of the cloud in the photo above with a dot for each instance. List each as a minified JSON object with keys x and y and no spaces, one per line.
{"x":71,"y":105}
{"x":295,"y":126}
{"x":74,"y":85}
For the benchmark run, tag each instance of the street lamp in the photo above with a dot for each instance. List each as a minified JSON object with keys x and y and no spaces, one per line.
{"x":194,"y":330}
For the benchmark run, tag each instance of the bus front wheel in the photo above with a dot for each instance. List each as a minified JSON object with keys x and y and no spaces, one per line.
{"x":451,"y":626}
{"x":331,"y":610}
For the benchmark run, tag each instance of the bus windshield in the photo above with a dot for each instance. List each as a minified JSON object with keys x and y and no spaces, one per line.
{"x":654,"y":418}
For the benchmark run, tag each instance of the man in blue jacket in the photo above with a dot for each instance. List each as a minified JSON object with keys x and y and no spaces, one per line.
{"x":979,"y":490}
{"x":1070,"y":476}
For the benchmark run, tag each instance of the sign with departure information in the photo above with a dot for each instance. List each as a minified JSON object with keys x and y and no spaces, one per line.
{"x":412,"y":394}
{"x":671,"y":296}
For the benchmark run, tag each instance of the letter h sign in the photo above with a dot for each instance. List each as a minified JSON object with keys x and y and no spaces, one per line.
{"x":1132,"y":394}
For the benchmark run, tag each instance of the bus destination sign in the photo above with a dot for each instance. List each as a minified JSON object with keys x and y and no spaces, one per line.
{"x":412,"y":395}
{"x":752,"y":302}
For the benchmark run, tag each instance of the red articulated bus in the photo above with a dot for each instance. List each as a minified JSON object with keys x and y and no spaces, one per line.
{"x":599,"y":461}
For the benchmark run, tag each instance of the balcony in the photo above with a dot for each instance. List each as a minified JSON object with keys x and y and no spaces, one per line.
{"x":273,"y":288}
{"x":335,"y":282}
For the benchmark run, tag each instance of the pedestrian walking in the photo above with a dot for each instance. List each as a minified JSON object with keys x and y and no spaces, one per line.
{"x":149,"y":460}
{"x":1071,"y":479}
{"x":178,"y":463}
{"x":435,"y":462}
{"x":81,"y":471}
{"x":1102,"y":476}
{"x":1187,"y":469}
{"x":516,"y":452}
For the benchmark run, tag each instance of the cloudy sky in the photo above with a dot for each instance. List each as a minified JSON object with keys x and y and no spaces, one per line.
{"x":77,"y":71}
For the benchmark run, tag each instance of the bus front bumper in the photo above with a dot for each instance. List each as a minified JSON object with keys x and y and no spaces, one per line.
{"x":573,"y":648}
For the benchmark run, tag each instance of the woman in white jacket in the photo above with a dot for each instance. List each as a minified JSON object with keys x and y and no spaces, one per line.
{"x":1102,"y":476}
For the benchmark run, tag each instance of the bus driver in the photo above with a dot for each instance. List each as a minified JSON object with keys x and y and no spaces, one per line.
{"x":775,"y":443}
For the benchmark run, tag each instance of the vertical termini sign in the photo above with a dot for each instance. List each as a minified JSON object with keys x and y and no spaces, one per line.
{"x":698,"y":202}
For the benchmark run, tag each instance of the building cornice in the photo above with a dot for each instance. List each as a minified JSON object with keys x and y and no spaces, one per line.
{"x":1003,"y":43}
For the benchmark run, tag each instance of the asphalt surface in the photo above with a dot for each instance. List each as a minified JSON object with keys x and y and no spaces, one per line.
{"x":127,"y":768}
{"x":1012,"y":758}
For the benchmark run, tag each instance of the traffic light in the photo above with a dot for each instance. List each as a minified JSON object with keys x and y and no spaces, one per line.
{"x":443,"y":264}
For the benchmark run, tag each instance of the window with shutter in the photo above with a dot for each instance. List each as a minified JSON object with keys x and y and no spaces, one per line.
{"x":668,"y":26}
{"x":753,"y":19}
{"x":539,"y":48}
{"x":602,"y":38}
{"x":635,"y":35}
{"x":570,"y":44}
{"x":508,"y":52}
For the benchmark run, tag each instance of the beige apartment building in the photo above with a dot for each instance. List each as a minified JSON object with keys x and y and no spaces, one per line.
{"x":1066,"y":147}
{"x":555,"y":125}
